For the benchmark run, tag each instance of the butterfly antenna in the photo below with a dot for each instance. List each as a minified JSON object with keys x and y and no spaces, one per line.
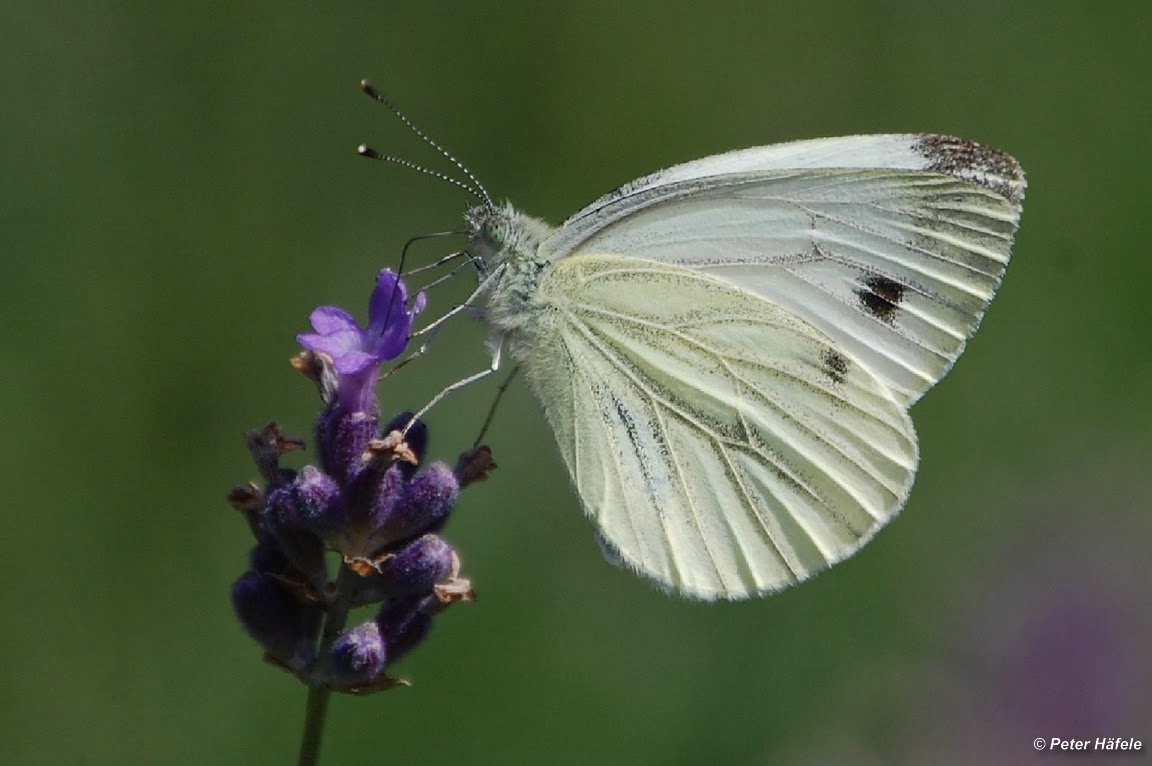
{"x":364,"y":150}
{"x":476,"y":188}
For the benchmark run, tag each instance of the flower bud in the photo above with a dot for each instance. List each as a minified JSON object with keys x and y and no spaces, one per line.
{"x":421,"y":506}
{"x":404,"y":623}
{"x":342,"y":436}
{"x":357,"y":657}
{"x":286,"y":628}
{"x":415,"y":569}
{"x":285,"y":517}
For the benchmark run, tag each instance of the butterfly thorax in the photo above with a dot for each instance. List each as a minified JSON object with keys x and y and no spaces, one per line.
{"x":508,"y":242}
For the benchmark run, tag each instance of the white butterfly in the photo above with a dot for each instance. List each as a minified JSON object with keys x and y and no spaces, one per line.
{"x":727,"y":349}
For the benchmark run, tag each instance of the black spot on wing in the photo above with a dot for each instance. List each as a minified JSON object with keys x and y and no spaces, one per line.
{"x":880,"y":297}
{"x":835,"y":365}
{"x":973,"y":162}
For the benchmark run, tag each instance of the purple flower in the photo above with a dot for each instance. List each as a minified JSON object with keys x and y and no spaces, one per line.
{"x":357,"y":352}
{"x":371,"y":500}
{"x":353,"y":349}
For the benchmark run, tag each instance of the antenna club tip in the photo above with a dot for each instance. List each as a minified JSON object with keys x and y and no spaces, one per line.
{"x":369,"y":88}
{"x":364,"y":150}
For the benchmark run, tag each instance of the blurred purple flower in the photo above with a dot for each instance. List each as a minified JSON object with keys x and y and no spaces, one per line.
{"x":1049,"y":639}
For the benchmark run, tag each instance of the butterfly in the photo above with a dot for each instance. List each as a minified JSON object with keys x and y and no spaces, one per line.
{"x":727,"y":350}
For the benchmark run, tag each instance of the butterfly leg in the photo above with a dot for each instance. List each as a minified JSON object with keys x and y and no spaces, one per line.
{"x":443,"y":277}
{"x":468,"y":303}
{"x":472,"y":261}
{"x":417,"y":353}
{"x":434,"y":327}
{"x":457,"y":385}
{"x":495,"y":403}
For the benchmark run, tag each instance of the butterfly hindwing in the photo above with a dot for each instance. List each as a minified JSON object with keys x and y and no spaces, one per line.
{"x":723,"y":446}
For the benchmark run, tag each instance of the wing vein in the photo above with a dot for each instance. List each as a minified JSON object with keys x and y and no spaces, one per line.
{"x":782,"y":412}
{"x":689,"y":501}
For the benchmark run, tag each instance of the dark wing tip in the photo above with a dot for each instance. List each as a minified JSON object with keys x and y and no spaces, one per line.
{"x":977,"y":163}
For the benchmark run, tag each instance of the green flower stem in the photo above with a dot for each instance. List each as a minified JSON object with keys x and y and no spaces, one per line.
{"x":318,"y":693}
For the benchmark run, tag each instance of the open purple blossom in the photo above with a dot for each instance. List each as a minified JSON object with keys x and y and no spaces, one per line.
{"x":357,"y":352}
{"x":353,"y":348}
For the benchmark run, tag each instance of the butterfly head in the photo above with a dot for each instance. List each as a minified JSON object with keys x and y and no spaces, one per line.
{"x":499,"y":234}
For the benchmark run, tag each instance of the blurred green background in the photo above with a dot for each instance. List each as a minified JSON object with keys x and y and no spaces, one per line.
{"x":180,"y":189}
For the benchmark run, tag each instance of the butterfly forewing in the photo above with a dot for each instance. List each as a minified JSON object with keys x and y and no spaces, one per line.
{"x":723,"y":445}
{"x":894,"y":261}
